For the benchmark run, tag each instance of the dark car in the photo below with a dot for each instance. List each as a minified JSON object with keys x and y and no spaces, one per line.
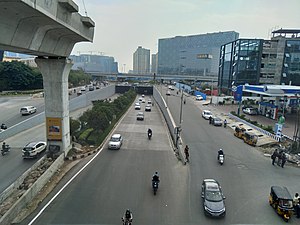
{"x":213,"y":198}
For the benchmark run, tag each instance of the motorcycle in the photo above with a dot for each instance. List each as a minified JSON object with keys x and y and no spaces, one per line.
{"x":149,"y":135}
{"x":5,"y":150}
{"x":154,"y":186}
{"x":221,"y":159}
{"x":126,"y":221}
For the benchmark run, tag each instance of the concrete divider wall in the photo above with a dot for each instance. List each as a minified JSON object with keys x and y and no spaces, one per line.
{"x":169,"y":120}
{"x":31,"y":192}
{"x":74,"y":104}
{"x":8,"y":191}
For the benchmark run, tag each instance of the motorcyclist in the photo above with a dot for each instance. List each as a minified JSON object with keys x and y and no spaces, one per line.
{"x":3,"y":146}
{"x":220,"y":152}
{"x":155,"y":177}
{"x":225,"y":123}
{"x":127,"y":216}
{"x":149,"y":132}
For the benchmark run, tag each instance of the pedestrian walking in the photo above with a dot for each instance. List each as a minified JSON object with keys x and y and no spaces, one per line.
{"x":187,"y":154}
{"x":274,"y":156}
{"x":279,"y":158}
{"x":283,"y":159}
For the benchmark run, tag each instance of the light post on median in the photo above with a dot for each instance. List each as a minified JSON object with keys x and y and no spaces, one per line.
{"x":180,"y":121}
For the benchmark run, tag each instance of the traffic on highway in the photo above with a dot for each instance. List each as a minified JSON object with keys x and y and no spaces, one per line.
{"x":235,"y":192}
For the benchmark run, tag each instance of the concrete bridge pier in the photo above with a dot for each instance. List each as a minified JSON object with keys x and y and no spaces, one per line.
{"x":55,"y":71}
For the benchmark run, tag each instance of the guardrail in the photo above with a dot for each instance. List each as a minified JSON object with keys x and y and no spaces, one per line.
{"x":259,"y":129}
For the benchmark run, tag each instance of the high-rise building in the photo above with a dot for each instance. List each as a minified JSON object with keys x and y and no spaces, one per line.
{"x":192,"y":55}
{"x":258,"y":61}
{"x":141,"y":61}
{"x":154,"y":58}
{"x":94,"y":63}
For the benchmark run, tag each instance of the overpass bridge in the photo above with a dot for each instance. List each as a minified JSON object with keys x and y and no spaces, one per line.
{"x":151,"y":76}
{"x":48,"y":29}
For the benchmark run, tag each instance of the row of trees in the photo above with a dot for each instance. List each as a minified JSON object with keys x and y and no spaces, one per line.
{"x":18,"y":76}
{"x":93,"y":126}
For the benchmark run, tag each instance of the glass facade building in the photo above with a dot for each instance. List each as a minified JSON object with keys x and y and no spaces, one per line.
{"x":291,"y":65}
{"x":192,"y":55}
{"x":258,"y":61}
{"x":239,"y":63}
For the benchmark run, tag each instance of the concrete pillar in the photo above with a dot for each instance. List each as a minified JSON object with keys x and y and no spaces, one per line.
{"x":55,"y":73}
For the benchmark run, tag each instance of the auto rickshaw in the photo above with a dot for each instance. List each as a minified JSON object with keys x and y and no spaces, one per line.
{"x":281,"y":200}
{"x":239,"y":132}
{"x":250,"y":138}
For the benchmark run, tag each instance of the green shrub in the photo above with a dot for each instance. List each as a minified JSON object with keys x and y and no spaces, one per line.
{"x":85,"y":134}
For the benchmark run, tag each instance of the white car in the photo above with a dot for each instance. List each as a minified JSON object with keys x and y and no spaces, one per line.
{"x":143,"y":101}
{"x":137,"y":106}
{"x":115,"y":141}
{"x":33,"y":149}
{"x":27,"y":110}
{"x":206,"y":114}
{"x":168,"y":93}
{"x":140,"y":116}
{"x":148,"y":108}
{"x":199,"y":98}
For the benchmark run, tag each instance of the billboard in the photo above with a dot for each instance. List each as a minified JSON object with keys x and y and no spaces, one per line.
{"x":54,"y":129}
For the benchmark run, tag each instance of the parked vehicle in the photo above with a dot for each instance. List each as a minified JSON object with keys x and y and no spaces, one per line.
{"x":199,"y":98}
{"x":239,"y":132}
{"x":33,"y":149}
{"x":216,"y":121}
{"x":281,"y":200}
{"x":27,"y":110}
{"x":206,"y":114}
{"x":250,"y":111}
{"x":250,"y":138}
{"x":115,"y":141}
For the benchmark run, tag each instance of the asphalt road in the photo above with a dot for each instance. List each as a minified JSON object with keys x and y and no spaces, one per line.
{"x":121,"y":179}
{"x":117,"y":180}
{"x":12,"y":164}
{"x":246,"y":176}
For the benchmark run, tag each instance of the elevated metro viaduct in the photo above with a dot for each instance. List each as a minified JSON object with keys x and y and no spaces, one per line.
{"x":48,"y":29}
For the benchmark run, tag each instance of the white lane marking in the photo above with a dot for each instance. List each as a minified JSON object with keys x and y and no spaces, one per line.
{"x":55,"y":196}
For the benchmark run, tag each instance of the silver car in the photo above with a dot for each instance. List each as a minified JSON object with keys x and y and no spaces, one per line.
{"x":216,"y":121}
{"x":115,"y":141}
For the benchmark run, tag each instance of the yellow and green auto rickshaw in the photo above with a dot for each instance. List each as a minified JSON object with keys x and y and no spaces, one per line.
{"x":239,"y":132}
{"x":250,"y":138}
{"x":281,"y":200}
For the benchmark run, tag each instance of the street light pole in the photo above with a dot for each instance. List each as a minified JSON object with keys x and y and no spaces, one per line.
{"x":180,"y":121}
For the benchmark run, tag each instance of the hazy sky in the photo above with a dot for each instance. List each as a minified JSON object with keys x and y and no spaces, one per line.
{"x":123,"y":25}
